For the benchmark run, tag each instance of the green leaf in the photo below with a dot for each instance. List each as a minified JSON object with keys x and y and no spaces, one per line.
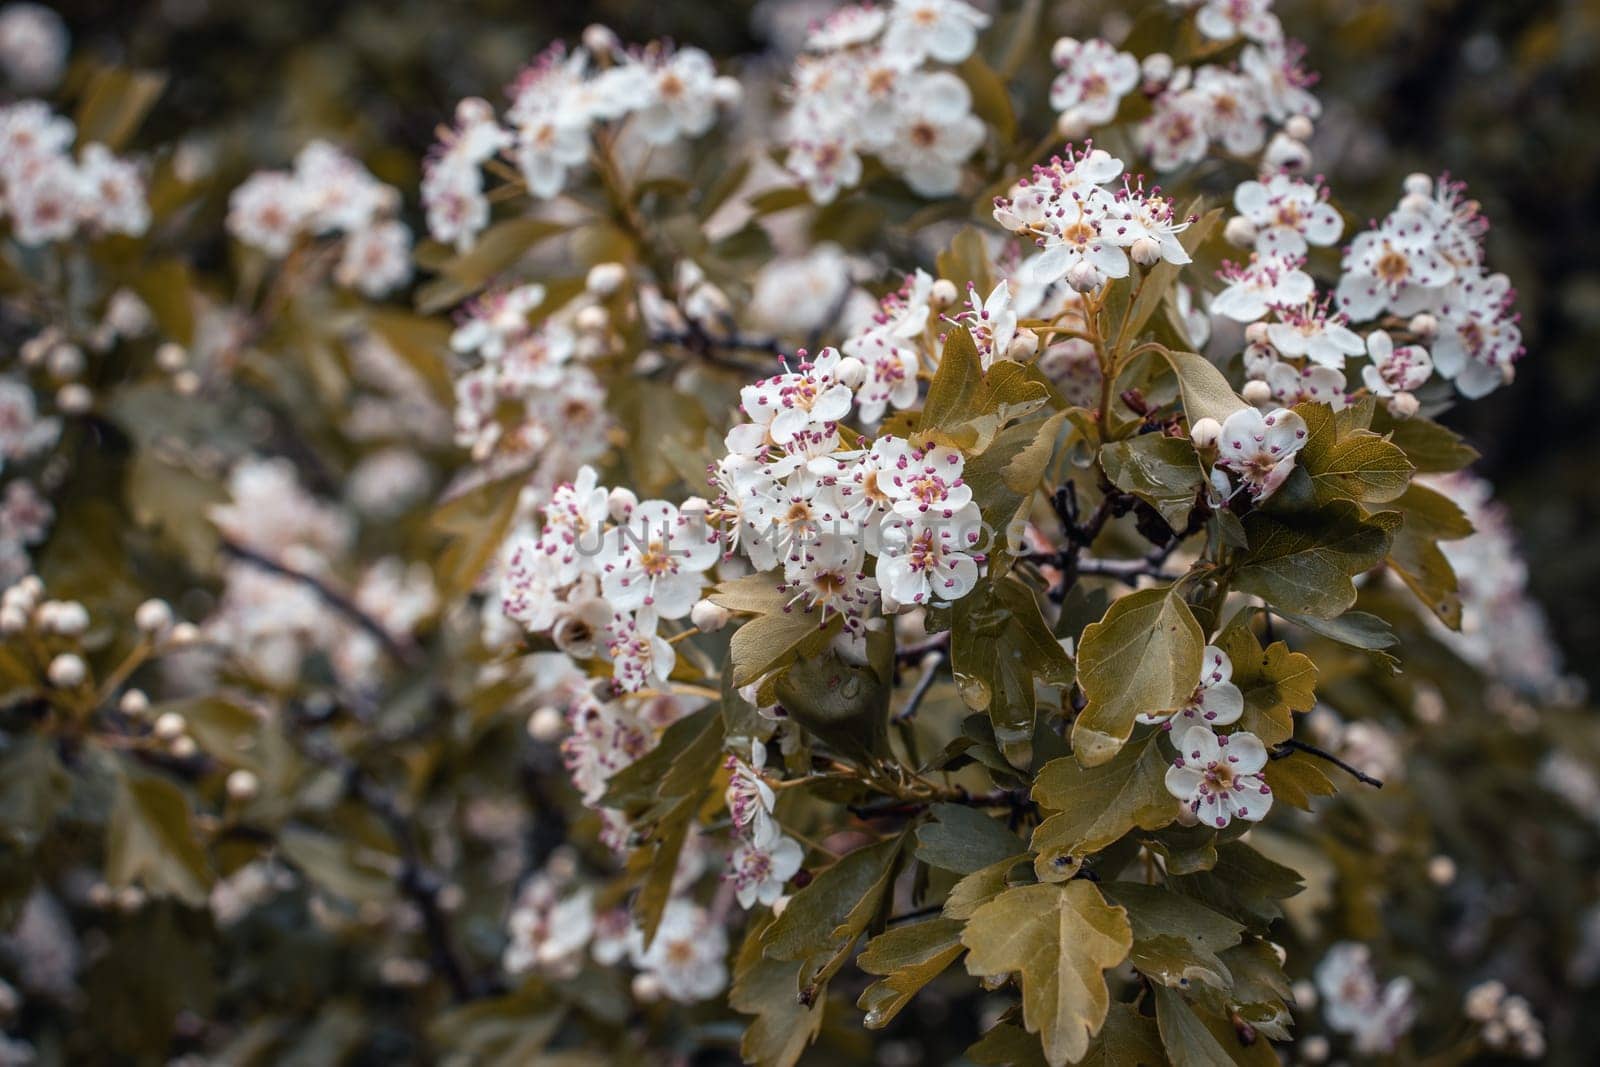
{"x":1158,"y":282}
{"x":1243,"y":885}
{"x":1185,"y":849}
{"x":778,"y":633}
{"x":978,"y":888}
{"x":1431,"y":448}
{"x":953,"y":392}
{"x":341,"y":866}
{"x":114,"y":105}
{"x":496,"y":249}
{"x":766,"y":988}
{"x":963,"y":839}
{"x":1274,"y":681}
{"x":823,"y":921}
{"x":1204,"y":1039}
{"x":1260,"y":989}
{"x":1296,"y":779}
{"x":1430,"y":517}
{"x":966,"y":262}
{"x":1206,"y":392}
{"x":1162,"y":471}
{"x":1143,"y":656}
{"x":477,"y":522}
{"x":1176,"y":940}
{"x":33,"y":788}
{"x":1060,"y":939}
{"x":999,"y":646}
{"x":1128,"y":1039}
{"x":1358,"y":629}
{"x":500,"y":1031}
{"x":1302,"y":562}
{"x":990,"y":101}
{"x":1095,"y":806}
{"x":151,"y":841}
{"x":845,"y":704}
{"x":909,"y":957}
{"x":1006,"y":1044}
{"x":1355,"y":465}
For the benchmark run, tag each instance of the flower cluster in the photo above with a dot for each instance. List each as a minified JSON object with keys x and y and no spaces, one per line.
{"x":1509,"y":1025}
{"x":1354,"y":1002}
{"x":868,"y":85}
{"x":49,"y":196}
{"x":765,"y":858}
{"x":557,"y":104}
{"x":1086,"y":231}
{"x":327,"y":194}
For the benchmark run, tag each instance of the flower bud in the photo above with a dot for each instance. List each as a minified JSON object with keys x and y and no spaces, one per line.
{"x":1441,"y":870}
{"x":1315,"y":1049}
{"x":130,"y":898}
{"x":601,"y":40}
{"x":546,"y":725}
{"x":184,"y":747}
{"x":709,"y":617}
{"x":186,"y":383}
{"x":851,"y":371}
{"x":1424,"y":326}
{"x":1146,"y":251}
{"x":1023,"y":345}
{"x":74,"y":399}
{"x":1256,"y":333}
{"x":780,"y":905}
{"x":134,"y":703}
{"x":1419,"y":184}
{"x":1403,"y":405}
{"x":605,"y":279}
{"x":592,"y":319}
{"x":621,"y":502}
{"x":646,"y":988}
{"x":1072,"y":126}
{"x":1299,"y":127}
{"x":1062,"y":52}
{"x":65,"y":362}
{"x":243,"y":785}
{"x":13,"y":619}
{"x":153,"y":616}
{"x":171,"y":357}
{"x":71,"y":619}
{"x":1483,"y":1000}
{"x":1240,"y":232}
{"x":1155,"y":69}
{"x":67,"y":671}
{"x":170,"y":726}
{"x":727,"y":91}
{"x":1415,"y":204}
{"x":694,"y":508}
{"x":1287,"y":154}
{"x":1205,"y":432}
{"x":1256,"y":393}
{"x":943,"y":294}
{"x":1084,"y":276}
{"x":1304,"y":993}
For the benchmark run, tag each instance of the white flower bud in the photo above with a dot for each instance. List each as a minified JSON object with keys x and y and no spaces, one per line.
{"x":186,"y":383}
{"x":1240,"y":232}
{"x":171,"y":357}
{"x":646,"y":988}
{"x":592,"y":319}
{"x":1156,"y":68}
{"x":1287,"y":154}
{"x":31,"y":586}
{"x":65,"y":362}
{"x":1299,"y":127}
{"x":1146,"y":251}
{"x":67,"y":671}
{"x":943,"y":294}
{"x":1315,"y":1049}
{"x":709,"y":617}
{"x":1256,"y":393}
{"x":130,"y":898}
{"x":562,"y":866}
{"x":1419,"y":184}
{"x":13,"y":619}
{"x":134,"y":703}
{"x":1084,"y":276}
{"x":1304,"y":993}
{"x":621,"y":502}
{"x":170,"y":726}
{"x":1072,"y":126}
{"x":1403,"y":405}
{"x":1063,"y":50}
{"x":1482,"y":1001}
{"x":243,"y":785}
{"x":1424,"y":326}
{"x":851,"y":372}
{"x":184,"y":634}
{"x":1205,"y":432}
{"x":604,"y":279}
{"x":601,"y":40}
{"x":153,"y":616}
{"x":694,"y":507}
{"x":1415,"y":204}
{"x":74,"y":399}
{"x":1441,"y":870}
{"x":72,"y":619}
{"x":1023,"y":345}
{"x":1256,"y":333}
{"x":727,"y":91}
{"x":546,"y":725}
{"x":184,"y":747}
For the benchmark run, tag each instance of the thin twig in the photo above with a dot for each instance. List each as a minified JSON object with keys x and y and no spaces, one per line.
{"x":1291,"y":746}
{"x":930,"y":670}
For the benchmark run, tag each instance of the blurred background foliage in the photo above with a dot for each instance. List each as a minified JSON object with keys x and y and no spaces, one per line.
{"x":1499,"y":94}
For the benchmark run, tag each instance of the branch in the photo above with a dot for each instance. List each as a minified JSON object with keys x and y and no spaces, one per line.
{"x":930,"y":670}
{"x":1291,"y":746}
{"x":400,"y":653}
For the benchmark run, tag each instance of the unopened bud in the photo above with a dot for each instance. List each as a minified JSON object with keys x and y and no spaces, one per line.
{"x":74,"y":399}
{"x":71,"y":619}
{"x":1205,"y":432}
{"x":67,"y":671}
{"x":171,"y":357}
{"x":1146,"y":251}
{"x":646,"y":988}
{"x":243,"y":785}
{"x":184,"y":747}
{"x":709,"y":617}
{"x":1419,"y":184}
{"x":186,"y":383}
{"x":727,"y":91}
{"x":130,"y":898}
{"x":621,"y":502}
{"x":1062,"y":52}
{"x":1023,"y":345}
{"x":1256,"y":393}
{"x":943,"y":294}
{"x":1072,"y":126}
{"x":1240,"y":232}
{"x":1299,"y":127}
{"x":153,"y":616}
{"x":1257,"y":333}
{"x":1315,"y":1049}
{"x":1483,"y":1000}
{"x":1287,"y":154}
{"x":1415,"y":204}
{"x":134,"y":703}
{"x":1084,"y":276}
{"x":170,"y":726}
{"x":65,"y":362}
{"x":601,"y":40}
{"x":546,"y":725}
{"x":1441,"y":870}
{"x":1403,"y":405}
{"x":1424,"y":326}
{"x":13,"y":619}
{"x":1156,"y":68}
{"x":185,"y":633}
{"x":605,"y":279}
{"x":851,"y":372}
